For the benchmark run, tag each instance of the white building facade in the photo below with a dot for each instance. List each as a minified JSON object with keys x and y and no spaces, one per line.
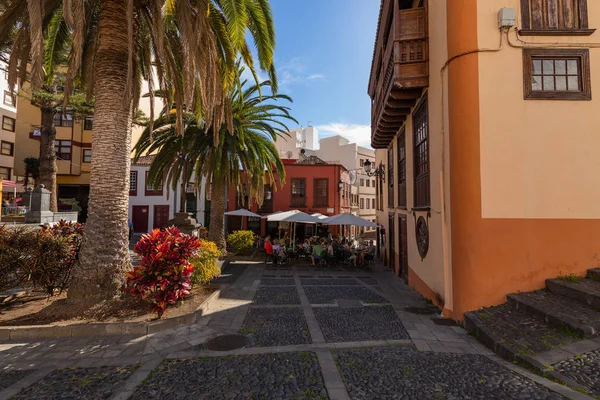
{"x":8,"y":118}
{"x":152,"y":207}
{"x":306,"y":139}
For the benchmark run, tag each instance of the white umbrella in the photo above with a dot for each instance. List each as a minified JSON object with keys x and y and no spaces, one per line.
{"x":293,"y":216}
{"x":348,"y":219}
{"x":242,"y":212}
{"x":319,"y":216}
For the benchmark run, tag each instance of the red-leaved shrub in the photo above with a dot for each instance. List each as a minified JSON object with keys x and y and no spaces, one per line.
{"x":163,"y":276}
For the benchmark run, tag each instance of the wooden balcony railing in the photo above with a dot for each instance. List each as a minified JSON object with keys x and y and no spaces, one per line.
{"x":402,"y":73}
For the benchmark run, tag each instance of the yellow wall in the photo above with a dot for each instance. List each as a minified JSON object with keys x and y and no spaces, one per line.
{"x":538,"y":157}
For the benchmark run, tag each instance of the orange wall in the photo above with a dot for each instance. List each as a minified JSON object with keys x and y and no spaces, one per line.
{"x":492,"y":257}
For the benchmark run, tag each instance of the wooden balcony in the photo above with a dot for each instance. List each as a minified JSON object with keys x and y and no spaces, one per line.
{"x":400,"y":69}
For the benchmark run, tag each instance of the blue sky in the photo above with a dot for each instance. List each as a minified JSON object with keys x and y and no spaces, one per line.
{"x":323,"y":58}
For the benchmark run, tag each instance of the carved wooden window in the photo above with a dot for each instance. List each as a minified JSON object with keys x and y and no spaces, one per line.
{"x":421,"y":155}
{"x":554,"y":17}
{"x":391,"y":176}
{"x":402,"y":169}
{"x":321,"y":192}
{"x":557,"y":74}
{"x":298,"y":192}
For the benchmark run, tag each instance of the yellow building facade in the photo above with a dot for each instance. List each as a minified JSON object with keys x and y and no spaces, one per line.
{"x":484,"y":122}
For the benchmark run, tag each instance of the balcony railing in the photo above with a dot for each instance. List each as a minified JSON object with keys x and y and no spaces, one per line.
{"x":402,"y":72}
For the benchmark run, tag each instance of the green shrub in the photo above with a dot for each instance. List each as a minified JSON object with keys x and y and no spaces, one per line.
{"x":205,"y":263}
{"x":241,"y":240}
{"x":42,"y":258}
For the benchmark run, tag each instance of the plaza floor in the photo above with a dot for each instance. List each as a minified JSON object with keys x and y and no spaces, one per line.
{"x":311,"y":333}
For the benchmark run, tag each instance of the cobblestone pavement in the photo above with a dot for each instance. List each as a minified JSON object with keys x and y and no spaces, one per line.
{"x":583,"y":369}
{"x":314,"y":333}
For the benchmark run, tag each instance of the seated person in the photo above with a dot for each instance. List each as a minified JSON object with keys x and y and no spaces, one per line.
{"x":317,"y":253}
{"x":368,"y":254}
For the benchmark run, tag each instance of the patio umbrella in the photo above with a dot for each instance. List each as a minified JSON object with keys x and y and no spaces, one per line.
{"x":349,"y":219}
{"x":293,"y":216}
{"x":242,"y":212}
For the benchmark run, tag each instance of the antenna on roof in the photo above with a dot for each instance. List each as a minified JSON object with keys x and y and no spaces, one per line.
{"x":309,"y":123}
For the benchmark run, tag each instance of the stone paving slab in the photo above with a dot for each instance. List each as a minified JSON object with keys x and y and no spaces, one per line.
{"x":261,"y":376}
{"x":583,"y":369}
{"x":356,"y":324}
{"x":402,"y":372}
{"x":328,"y":294}
{"x":328,"y":282}
{"x":276,"y":295}
{"x":277,"y":281}
{"x":276,"y":327}
{"x":78,"y":383}
{"x":8,"y":378}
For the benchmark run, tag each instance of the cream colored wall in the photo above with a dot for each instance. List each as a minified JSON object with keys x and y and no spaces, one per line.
{"x":538,"y":157}
{"x":27,"y":116}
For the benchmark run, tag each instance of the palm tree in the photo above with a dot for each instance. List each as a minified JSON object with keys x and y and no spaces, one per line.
{"x":248,"y":156}
{"x":192,"y":48}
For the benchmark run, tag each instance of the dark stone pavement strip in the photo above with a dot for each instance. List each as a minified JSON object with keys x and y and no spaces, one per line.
{"x":276,"y":327}
{"x":276,"y":282}
{"x":276,"y":295}
{"x":260,"y":376}
{"x":368,"y":280}
{"x":7,"y":378}
{"x":403,"y":373}
{"x":230,"y":274}
{"x":78,"y":383}
{"x":329,"y":282}
{"x":359,"y":324}
{"x":583,"y":369}
{"x":328,"y":294}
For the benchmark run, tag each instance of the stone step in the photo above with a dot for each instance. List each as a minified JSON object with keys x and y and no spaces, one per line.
{"x":558,"y":311}
{"x":514,"y":334}
{"x":586,"y":291}
{"x":594,"y":274}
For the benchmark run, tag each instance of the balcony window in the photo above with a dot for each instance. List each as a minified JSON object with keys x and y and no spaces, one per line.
{"x":9,"y":99}
{"x":8,"y":123}
{"x":557,"y":74}
{"x":421,"y":155}
{"x":88,"y":125}
{"x":391,"y":176}
{"x":321,"y":191}
{"x":362,"y":182}
{"x":267,"y":205}
{"x":87,"y":155}
{"x":402,"y":169}
{"x":7,"y":148}
{"x":133,"y":175}
{"x":555,"y":17}
{"x":61,"y":119}
{"x":63,"y":149}
{"x":368,"y":183}
{"x":298,"y":192}
{"x":151,"y":189}
{"x":5,"y":173}
{"x":362,"y":204}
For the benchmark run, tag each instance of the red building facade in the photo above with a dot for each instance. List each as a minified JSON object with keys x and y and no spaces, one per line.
{"x":311,"y":186}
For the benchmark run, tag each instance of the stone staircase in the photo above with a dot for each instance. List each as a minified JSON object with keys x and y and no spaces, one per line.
{"x":532,"y":323}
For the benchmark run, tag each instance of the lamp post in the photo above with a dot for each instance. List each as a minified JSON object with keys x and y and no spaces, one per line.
{"x":340,"y":188}
{"x":378,"y":172}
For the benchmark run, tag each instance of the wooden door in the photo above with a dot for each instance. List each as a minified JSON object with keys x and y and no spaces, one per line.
{"x":161,"y":216}
{"x":403,"y":270}
{"x":140,"y":216}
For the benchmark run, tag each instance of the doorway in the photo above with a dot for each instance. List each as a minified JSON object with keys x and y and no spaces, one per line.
{"x":139,"y":218}
{"x":161,"y":216}
{"x":391,"y":242}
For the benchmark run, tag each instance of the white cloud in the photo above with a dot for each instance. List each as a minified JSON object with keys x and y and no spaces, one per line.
{"x":247,"y":75}
{"x":294,"y":71}
{"x":355,"y":133}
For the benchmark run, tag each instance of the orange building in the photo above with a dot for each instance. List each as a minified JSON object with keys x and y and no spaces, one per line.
{"x":311,"y":186}
{"x":487,"y":132}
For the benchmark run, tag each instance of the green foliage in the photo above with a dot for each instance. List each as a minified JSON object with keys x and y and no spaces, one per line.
{"x":43,"y":258}
{"x":205,"y":263}
{"x":570,"y":278}
{"x":241,"y":240}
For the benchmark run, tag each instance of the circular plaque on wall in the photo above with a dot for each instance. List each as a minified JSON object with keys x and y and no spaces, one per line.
{"x":422,"y":236}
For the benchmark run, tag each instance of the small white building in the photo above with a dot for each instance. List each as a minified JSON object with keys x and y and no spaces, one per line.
{"x":299,"y":139}
{"x":151,"y":207}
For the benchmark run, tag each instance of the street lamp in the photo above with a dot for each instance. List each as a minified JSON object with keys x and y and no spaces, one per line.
{"x":340,"y":185}
{"x":378,"y":172}
{"x":268,"y":193}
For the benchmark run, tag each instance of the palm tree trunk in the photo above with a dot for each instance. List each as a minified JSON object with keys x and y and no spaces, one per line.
{"x":48,"y":167}
{"x":217,"y":210}
{"x":104,"y":256}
